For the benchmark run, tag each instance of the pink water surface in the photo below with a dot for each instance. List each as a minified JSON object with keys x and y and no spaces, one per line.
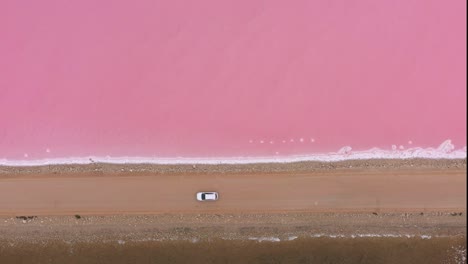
{"x":170,"y":78}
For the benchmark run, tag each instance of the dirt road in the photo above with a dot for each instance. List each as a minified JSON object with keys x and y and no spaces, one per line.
{"x":335,"y":190}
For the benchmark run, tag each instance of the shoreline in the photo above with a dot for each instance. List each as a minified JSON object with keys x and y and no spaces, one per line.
{"x":446,"y":150}
{"x":303,"y":166}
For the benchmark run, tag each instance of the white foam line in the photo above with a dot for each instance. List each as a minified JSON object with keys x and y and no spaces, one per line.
{"x":369,"y":235}
{"x":445,"y":151}
{"x":261,"y":239}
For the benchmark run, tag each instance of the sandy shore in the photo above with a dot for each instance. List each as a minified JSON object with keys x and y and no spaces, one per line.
{"x":382,"y":198}
{"x":103,"y":169}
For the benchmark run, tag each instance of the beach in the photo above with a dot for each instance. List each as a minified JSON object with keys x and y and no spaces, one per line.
{"x":401,"y":203}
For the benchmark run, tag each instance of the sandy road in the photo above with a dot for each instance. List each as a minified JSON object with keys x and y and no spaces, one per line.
{"x":315,"y":191}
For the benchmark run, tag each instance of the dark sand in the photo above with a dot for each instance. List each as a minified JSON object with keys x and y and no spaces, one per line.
{"x":436,"y":237}
{"x":304,"y":250}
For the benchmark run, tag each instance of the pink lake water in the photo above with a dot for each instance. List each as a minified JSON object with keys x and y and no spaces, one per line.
{"x":218,"y":78}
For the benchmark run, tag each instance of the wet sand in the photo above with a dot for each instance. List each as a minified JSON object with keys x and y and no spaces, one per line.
{"x":416,"y":237}
{"x":447,"y":250}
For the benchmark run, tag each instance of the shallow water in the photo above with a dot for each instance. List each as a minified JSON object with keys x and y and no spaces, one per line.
{"x":303,"y":250}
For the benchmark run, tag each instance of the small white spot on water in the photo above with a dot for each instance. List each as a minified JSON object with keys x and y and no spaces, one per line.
{"x":261,"y":141}
{"x":272,"y":142}
{"x":26,"y":155}
{"x":301,"y":140}
{"x":47,"y":150}
{"x":410,"y":142}
{"x":312,"y":140}
{"x":250,"y":141}
{"x":394,"y":147}
{"x":276,"y":152}
{"x":401,"y":147}
{"x":284,"y":141}
{"x":291,"y":140}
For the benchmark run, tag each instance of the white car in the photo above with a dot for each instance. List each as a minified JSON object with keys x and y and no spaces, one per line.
{"x":207,"y":196}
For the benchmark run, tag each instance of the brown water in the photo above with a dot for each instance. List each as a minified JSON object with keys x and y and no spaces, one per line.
{"x":310,"y":250}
